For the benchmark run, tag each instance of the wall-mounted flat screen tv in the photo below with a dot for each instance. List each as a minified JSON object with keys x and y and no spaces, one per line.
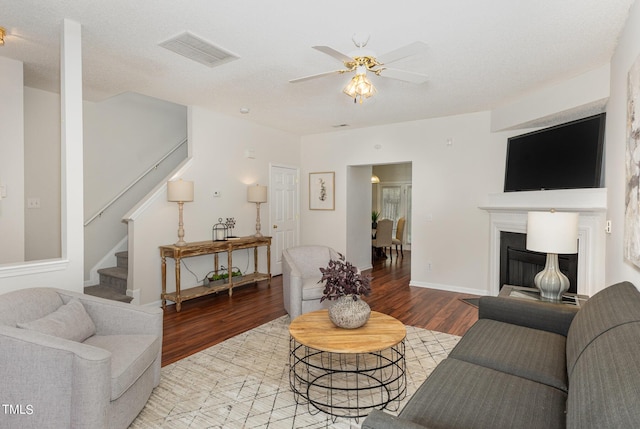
{"x":567,"y":156}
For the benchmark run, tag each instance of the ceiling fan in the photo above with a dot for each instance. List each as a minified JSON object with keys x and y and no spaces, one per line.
{"x":363,"y":61}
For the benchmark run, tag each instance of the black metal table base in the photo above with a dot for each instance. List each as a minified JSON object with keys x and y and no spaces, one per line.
{"x":347,"y":384}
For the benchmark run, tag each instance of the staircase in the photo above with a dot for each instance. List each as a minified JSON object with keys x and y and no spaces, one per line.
{"x":113,"y":281}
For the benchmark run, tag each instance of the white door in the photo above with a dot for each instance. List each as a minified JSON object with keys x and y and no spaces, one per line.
{"x":284,"y":214}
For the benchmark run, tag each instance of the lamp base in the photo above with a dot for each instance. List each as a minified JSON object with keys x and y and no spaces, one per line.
{"x":258,"y":226}
{"x":550,"y":281}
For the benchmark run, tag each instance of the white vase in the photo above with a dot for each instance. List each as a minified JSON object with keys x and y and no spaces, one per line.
{"x":349,"y":313}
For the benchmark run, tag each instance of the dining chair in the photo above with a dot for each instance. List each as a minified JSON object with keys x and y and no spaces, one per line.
{"x":398,"y":240}
{"x":384,"y":236}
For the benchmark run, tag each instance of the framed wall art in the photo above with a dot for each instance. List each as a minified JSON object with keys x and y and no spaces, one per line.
{"x":632,"y":158}
{"x":321,"y":191}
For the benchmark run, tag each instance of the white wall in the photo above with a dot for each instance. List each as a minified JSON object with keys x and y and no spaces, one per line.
{"x":124,"y":136}
{"x":42,"y":174}
{"x":359,"y":216}
{"x":627,"y":52}
{"x":64,"y":273}
{"x":11,"y":162}
{"x":448,"y":184}
{"x":218,"y":164}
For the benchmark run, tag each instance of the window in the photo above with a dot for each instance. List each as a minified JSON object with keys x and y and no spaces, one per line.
{"x":395,"y":202}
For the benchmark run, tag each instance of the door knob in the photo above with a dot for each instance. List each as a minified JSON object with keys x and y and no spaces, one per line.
{"x":275,"y":226}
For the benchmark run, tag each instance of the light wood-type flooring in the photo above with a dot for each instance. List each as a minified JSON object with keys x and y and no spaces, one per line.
{"x":209,"y":320}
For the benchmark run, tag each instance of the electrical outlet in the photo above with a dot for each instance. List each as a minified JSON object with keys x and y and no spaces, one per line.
{"x":607,"y":228}
{"x":33,"y":203}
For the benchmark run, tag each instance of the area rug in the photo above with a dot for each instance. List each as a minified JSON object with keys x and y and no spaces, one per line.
{"x":244,"y":383}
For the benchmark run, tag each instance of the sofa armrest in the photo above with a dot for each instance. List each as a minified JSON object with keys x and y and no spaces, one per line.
{"x":531,"y":314}
{"x":118,"y":318}
{"x":381,"y":420}
{"x":66,"y":383}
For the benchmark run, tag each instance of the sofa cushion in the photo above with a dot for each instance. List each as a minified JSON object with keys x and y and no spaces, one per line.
{"x":311,"y":289}
{"x":69,"y":321}
{"x":460,"y":394}
{"x":25,"y":305}
{"x":131,"y":355}
{"x":525,"y":352}
{"x":613,"y":306}
{"x":605,"y":386}
{"x":309,"y":259}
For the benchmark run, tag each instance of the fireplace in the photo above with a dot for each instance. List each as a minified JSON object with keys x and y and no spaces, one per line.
{"x":519,"y":266}
{"x":508,"y":213}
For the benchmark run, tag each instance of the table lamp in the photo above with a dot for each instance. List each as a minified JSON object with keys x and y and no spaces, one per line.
{"x":257,"y":194}
{"x":552,"y":233}
{"x":180,"y":191}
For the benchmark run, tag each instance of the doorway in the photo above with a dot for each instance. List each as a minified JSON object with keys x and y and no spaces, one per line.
{"x":391,"y":196}
{"x":283,"y":212}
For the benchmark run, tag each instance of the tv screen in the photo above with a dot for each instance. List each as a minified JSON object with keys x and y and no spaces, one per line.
{"x":566,"y":156}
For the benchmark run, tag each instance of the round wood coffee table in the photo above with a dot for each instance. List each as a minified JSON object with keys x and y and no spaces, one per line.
{"x":347,"y":372}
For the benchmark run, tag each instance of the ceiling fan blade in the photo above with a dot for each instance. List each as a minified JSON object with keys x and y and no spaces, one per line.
{"x":403,"y":52}
{"x":333,"y":53}
{"x":313,"y":76}
{"x":403,"y":75}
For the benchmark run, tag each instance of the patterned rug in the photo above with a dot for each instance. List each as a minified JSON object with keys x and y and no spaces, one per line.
{"x":244,"y":383}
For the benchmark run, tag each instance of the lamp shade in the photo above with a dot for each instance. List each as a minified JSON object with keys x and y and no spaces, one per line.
{"x":257,"y":194}
{"x":552,"y":232}
{"x":179,"y":191}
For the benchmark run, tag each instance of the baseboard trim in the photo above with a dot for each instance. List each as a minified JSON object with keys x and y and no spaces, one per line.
{"x":450,"y":288}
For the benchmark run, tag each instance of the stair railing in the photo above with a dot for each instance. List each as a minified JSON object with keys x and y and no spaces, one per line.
{"x":132,"y":184}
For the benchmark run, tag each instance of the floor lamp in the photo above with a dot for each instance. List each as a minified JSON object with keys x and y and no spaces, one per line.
{"x":257,"y":194}
{"x":180,"y":191}
{"x":552,"y":233}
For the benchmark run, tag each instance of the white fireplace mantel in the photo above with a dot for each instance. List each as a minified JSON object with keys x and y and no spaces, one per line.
{"x":508,"y":212}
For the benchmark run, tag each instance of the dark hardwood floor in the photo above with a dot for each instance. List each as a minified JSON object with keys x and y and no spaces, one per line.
{"x":209,"y":320}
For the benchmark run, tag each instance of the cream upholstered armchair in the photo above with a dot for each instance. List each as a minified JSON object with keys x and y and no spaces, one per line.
{"x":70,"y":360}
{"x":300,"y":275}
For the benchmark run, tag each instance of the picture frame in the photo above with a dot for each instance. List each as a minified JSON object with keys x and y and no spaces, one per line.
{"x":322,"y":194}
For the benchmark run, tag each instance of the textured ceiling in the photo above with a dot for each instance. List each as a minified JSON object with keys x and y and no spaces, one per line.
{"x":480,"y":54}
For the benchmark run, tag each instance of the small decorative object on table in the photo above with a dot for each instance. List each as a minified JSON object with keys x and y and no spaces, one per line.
{"x":213,"y":279}
{"x":231,"y":223}
{"x":375,"y":215}
{"x":219,"y":231}
{"x":345,"y":284}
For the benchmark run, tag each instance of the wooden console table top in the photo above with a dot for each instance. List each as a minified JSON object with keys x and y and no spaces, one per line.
{"x":316,"y":330}
{"x":208,"y":247}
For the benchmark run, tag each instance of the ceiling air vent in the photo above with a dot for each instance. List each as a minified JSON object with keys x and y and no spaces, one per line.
{"x":197,"y":49}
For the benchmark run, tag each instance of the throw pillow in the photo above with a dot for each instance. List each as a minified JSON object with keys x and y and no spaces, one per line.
{"x":69,"y":321}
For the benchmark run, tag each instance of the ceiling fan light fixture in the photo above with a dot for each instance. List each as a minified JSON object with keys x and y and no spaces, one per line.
{"x":360,"y":86}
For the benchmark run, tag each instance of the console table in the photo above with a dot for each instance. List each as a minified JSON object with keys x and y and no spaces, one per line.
{"x":207,"y":248}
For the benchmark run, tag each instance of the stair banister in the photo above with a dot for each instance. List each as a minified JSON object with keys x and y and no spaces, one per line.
{"x":139,"y":178}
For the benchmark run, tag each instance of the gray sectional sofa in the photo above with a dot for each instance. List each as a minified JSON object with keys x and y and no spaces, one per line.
{"x":528,"y":364}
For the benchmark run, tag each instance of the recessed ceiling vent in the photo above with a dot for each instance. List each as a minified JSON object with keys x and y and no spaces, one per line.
{"x":197,"y":49}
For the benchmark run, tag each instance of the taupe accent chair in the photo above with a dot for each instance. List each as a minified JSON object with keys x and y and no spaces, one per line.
{"x":398,"y":240}
{"x":384,"y":236}
{"x":300,"y":275}
{"x":77,"y":361}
